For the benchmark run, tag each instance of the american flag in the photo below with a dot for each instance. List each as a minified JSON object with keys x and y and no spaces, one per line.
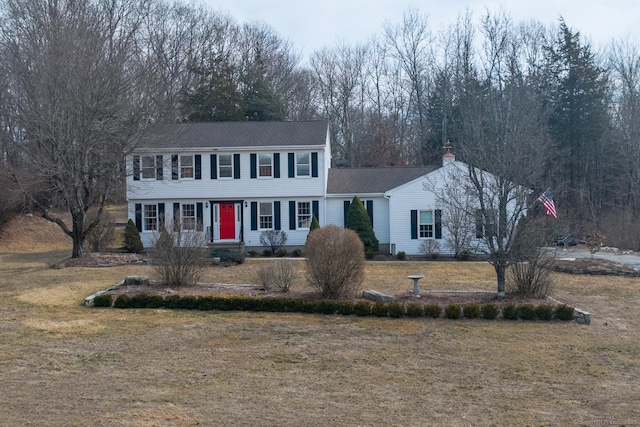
{"x":549,"y":205}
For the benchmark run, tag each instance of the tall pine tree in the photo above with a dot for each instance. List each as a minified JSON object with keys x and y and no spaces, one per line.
{"x":358,"y":221}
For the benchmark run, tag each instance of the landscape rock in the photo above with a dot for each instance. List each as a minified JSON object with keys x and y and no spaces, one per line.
{"x":136,"y":281}
{"x":377,"y":296}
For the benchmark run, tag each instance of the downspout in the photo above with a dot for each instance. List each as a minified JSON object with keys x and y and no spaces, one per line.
{"x":391,"y":244}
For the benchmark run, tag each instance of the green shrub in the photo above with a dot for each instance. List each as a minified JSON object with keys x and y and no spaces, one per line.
{"x":172,"y":301}
{"x":297,"y":253}
{"x":344,"y":307}
{"x":132,"y":242}
{"x":432,"y":310}
{"x":358,"y":220}
{"x":252,"y":253}
{"x":544,"y":312}
{"x":188,"y":302}
{"x":282,"y":252}
{"x":564,"y":312}
{"x":471,"y":311}
{"x":489,"y":311}
{"x":527,"y":312}
{"x":205,"y":302}
{"x":415,"y":310}
{"x":228,"y":256}
{"x":139,"y":301}
{"x":369,"y":254}
{"x":326,"y":307}
{"x":362,"y":308}
{"x":103,"y":300}
{"x":267,"y":253}
{"x":452,"y":311}
{"x":401,"y":255}
{"x":510,"y":312}
{"x":379,"y":309}
{"x":395,"y":309}
{"x":464,"y":255}
{"x":122,"y":301}
{"x":434,"y":255}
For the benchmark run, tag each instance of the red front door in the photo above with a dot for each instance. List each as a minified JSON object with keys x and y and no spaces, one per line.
{"x":227,"y":221}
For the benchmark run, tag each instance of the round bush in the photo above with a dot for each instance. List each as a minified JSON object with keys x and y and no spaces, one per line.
{"x":415,"y":310}
{"x":335,"y":261}
{"x":452,"y":311}
{"x":395,"y":310}
{"x":510,"y":312}
{"x":489,"y":311}
{"x":432,"y":310}
{"x":527,"y":312}
{"x":362,"y":308}
{"x":544,"y":312}
{"x":564,"y":312}
{"x":471,"y":311}
{"x":379,"y":309}
{"x":122,"y":301}
{"x":103,"y":300}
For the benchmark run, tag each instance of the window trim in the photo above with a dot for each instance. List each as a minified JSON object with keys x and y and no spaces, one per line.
{"x":153,"y":168}
{"x":301,"y":216}
{"x":260,"y":216}
{"x":229,"y":167}
{"x":184,"y":217}
{"x":298,"y":164}
{"x":428,"y":233}
{"x":146,"y":218}
{"x":260,"y":166}
{"x":181,"y":168}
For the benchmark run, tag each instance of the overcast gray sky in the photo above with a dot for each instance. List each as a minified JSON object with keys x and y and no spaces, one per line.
{"x":311,"y":25}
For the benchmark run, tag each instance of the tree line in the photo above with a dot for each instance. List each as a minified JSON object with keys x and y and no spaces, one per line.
{"x":81,"y":82}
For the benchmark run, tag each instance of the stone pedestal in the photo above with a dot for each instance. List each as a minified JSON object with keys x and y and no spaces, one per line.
{"x":416,"y":289}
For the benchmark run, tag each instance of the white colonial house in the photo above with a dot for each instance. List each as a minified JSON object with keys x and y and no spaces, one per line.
{"x":230,"y":181}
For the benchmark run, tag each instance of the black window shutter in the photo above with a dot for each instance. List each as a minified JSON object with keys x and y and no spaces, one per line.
{"x":160,"y":216}
{"x":214,"y":166}
{"x":315,"y":209}
{"x":370,"y":210}
{"x":254,"y":216}
{"x":236,"y":166}
{"x":292,"y":165}
{"x":414,"y":224}
{"x":314,"y":165}
{"x":438,"y":218}
{"x":136,"y":168}
{"x":276,"y":216}
{"x":174,"y":167}
{"x":139,"y":216}
{"x":159,"y":167}
{"x":199,"y":217}
{"x":254,"y":165}
{"x":292,"y":215}
{"x":198,"y":168}
{"x":347,"y":203}
{"x":276,"y":165}
{"x":176,"y":217}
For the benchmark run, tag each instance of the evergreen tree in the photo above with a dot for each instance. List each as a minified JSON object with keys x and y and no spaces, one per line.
{"x":314,"y":224}
{"x":358,"y":221}
{"x":132,"y":242}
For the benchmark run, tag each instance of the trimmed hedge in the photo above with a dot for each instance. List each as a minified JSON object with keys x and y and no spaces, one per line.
{"x":392,"y":309}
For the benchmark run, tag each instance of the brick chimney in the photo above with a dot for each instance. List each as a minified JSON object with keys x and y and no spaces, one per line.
{"x":448,"y":157}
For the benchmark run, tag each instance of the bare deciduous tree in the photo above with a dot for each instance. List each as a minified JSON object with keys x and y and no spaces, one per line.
{"x":74,"y":74}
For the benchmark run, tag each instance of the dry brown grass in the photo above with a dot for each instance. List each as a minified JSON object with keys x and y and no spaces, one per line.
{"x":65,"y":365}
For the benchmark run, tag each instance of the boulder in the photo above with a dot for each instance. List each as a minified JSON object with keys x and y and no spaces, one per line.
{"x":377,"y":296}
{"x":136,"y":281}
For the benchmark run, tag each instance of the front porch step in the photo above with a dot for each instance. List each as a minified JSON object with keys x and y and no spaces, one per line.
{"x":234,"y":246}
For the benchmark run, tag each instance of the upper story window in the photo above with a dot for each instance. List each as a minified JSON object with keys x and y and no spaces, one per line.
{"x":148,"y":167}
{"x":225,"y":166}
{"x":266,"y":216}
{"x":304,"y":214}
{"x":265,"y":165}
{"x":186,"y":167}
{"x":303,"y":164}
{"x":425,"y":224}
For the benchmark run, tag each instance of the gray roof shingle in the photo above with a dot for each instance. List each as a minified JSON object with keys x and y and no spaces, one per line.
{"x":236,"y":134}
{"x":372,"y":180}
